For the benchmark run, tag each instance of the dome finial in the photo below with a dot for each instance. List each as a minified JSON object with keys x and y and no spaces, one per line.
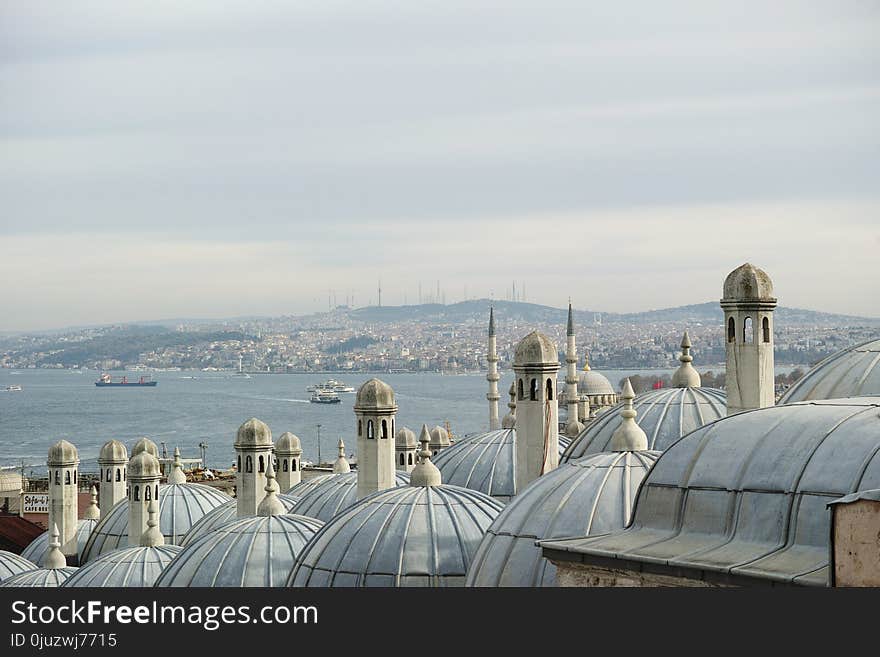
{"x":629,"y":436}
{"x":152,"y":537}
{"x":271,"y":505}
{"x":425,"y":473}
{"x":177,"y":475}
{"x":586,"y":361}
{"x":686,"y":376}
{"x":92,"y":512}
{"x":341,"y":466}
{"x":54,"y":557}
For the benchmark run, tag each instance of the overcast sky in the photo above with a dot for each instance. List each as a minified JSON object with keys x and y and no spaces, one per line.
{"x":216,"y":159}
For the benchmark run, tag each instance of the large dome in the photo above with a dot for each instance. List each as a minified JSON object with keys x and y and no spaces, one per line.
{"x":406,"y":536}
{"x":223,"y":514}
{"x":13,"y":564}
{"x":126,"y":567}
{"x":593,"y":495}
{"x":256,"y":551}
{"x":333,"y":494}
{"x":40,"y":578}
{"x":37,"y":547}
{"x":665,"y":415}
{"x":851,"y":372}
{"x":744,"y":499}
{"x":180,"y":507}
{"x":593,"y":383}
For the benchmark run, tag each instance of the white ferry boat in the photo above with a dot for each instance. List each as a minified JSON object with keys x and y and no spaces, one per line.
{"x":324,"y":396}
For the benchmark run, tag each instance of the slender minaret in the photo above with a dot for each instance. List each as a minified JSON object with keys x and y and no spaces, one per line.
{"x":748,"y":305}
{"x":340,"y":465}
{"x":585,"y":413}
{"x":288,"y":452}
{"x":92,"y":511}
{"x":686,"y":376}
{"x":406,"y":449}
{"x":425,"y":473}
{"x":492,"y":377}
{"x":253,"y":446}
{"x":177,"y":475}
{"x":54,"y":557}
{"x":629,"y":436}
{"x":143,"y":488}
{"x":375,"y":409}
{"x":509,"y":421}
{"x":112,"y":462}
{"x":271,"y":505}
{"x":152,"y":537}
{"x":63,"y":464}
{"x":536,"y":363}
{"x":573,"y":427}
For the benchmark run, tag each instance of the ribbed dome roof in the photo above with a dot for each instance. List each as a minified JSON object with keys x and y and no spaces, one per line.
{"x":665,"y":415}
{"x":593,"y":495}
{"x":535,"y":349}
{"x":37,"y":547}
{"x":594,"y":383}
{"x":62,"y":453}
{"x":748,"y":282}
{"x":406,"y":536}
{"x":40,"y":578}
{"x":405,"y":438}
{"x":126,"y":567}
{"x":10,"y":482}
{"x":180,"y":507}
{"x":374,"y":395}
{"x":145,"y":445}
{"x":288,"y":443}
{"x":256,"y":551}
{"x":333,"y":494}
{"x":253,"y":433}
{"x":852,"y":372}
{"x":113,"y":451}
{"x":223,"y":514}
{"x":439,"y":437}
{"x":13,"y":564}
{"x":144,"y":464}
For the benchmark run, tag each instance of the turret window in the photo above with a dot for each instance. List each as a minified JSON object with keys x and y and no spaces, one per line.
{"x":156,"y":492}
{"x":239,"y":462}
{"x":118,"y":475}
{"x":248,"y":464}
{"x":370,"y":429}
{"x":731,"y":330}
{"x":110,"y":475}
{"x":533,"y":390}
{"x":360,"y":428}
{"x":137,"y":493}
{"x":262,"y":464}
{"x":402,"y":459}
{"x":519,"y":385}
{"x":765,"y":326}
{"x":284,"y":466}
{"x":748,"y":331}
{"x":384,"y":429}
{"x":57,"y":478}
{"x":549,"y":390}
{"x":410,"y":459}
{"x":293,"y":465}
{"x":74,"y":476}
{"x":147,"y":495}
{"x":66,"y":477}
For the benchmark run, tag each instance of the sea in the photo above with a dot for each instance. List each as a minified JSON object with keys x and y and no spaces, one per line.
{"x":187,"y":408}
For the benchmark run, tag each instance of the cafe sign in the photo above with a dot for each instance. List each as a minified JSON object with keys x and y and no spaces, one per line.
{"x":35,"y":502}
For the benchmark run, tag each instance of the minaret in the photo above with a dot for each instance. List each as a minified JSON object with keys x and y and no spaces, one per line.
{"x":492,"y":377}
{"x":686,"y":376}
{"x":54,"y":557}
{"x":536,"y":363}
{"x":152,"y":537}
{"x":92,"y":512}
{"x":585,"y":413}
{"x":271,"y":505}
{"x":375,"y":409}
{"x":288,"y":452}
{"x":748,"y":306}
{"x":253,"y":445}
{"x":63,"y":464}
{"x":509,"y":421}
{"x":177,"y":475}
{"x":573,"y":427}
{"x":143,"y":488}
{"x":406,"y":449}
{"x":340,"y":465}
{"x":629,"y":436}
{"x":112,"y":462}
{"x":425,"y":473}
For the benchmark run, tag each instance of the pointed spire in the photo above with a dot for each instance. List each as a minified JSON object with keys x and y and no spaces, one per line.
{"x":509,"y":421}
{"x":629,"y":436}
{"x":92,"y":512}
{"x":152,"y":537}
{"x":570,"y":320}
{"x":177,"y":476}
{"x":425,"y":473}
{"x":54,"y":557}
{"x":686,"y":376}
{"x":271,"y":505}
{"x":341,"y":466}
{"x":491,"y":321}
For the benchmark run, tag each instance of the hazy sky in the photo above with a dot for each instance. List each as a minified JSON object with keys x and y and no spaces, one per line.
{"x":209,"y":159}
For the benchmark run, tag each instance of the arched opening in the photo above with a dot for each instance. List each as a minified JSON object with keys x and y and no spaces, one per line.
{"x":137,"y":493}
{"x":748,"y":331}
{"x":533,"y":390}
{"x":57,"y":477}
{"x":118,"y":475}
{"x":262,"y":464}
{"x":549,"y":390}
{"x":66,"y":477}
{"x":360,"y":428}
{"x":284,"y":466}
{"x":410,"y":459}
{"x":293,"y":465}
{"x":370,"y":435}
{"x":402,"y":459}
{"x":74,"y":476}
{"x":731,"y":330}
{"x":239,"y":462}
{"x":765,"y":327}
{"x":248,"y":464}
{"x":392,"y":428}
{"x":384,"y":429}
{"x":147,"y":495}
{"x":110,"y":476}
{"x":156,"y":492}
{"x":519,"y":385}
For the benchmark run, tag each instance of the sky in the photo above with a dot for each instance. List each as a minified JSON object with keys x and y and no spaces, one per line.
{"x":218,"y":159}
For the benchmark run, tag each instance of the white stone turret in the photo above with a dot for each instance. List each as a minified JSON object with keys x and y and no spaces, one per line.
{"x":573,"y":427}
{"x":509,"y":421}
{"x":748,"y":306}
{"x":629,"y":436}
{"x":375,"y":409}
{"x":63,"y":464}
{"x":253,"y":446}
{"x":112,"y":464}
{"x":143,"y":488}
{"x":492,"y":377}
{"x":271,"y":505}
{"x":145,"y":445}
{"x":536,"y":363}
{"x":686,"y":376}
{"x":340,"y":465}
{"x":152,"y":537}
{"x":177,"y":475}
{"x":425,"y":473}
{"x":288,"y":455}
{"x":54,"y":557}
{"x":406,"y":449}
{"x":92,"y":511}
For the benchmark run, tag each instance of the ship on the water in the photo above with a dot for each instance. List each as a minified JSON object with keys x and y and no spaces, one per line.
{"x":324,"y":396}
{"x":106,"y":381}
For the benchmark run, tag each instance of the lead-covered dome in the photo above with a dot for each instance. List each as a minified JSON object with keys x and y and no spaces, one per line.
{"x":332,"y":494}
{"x":145,"y":465}
{"x":113,"y":451}
{"x":223,"y":514}
{"x":852,"y":372}
{"x":13,"y":564}
{"x":748,"y":282}
{"x":253,"y":433}
{"x":127,"y":567}
{"x":63,"y":453}
{"x":407,"y":536}
{"x":180,"y":507}
{"x":37,"y":547}
{"x":39,"y":578}
{"x":535,"y":349}
{"x":145,"y":445}
{"x":665,"y":415}
{"x":593,"y":495}
{"x":405,"y":438}
{"x":288,"y":443}
{"x":374,"y":395}
{"x":593,"y":383}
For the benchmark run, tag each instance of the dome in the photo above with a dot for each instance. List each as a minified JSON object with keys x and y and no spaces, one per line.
{"x":535,"y":349}
{"x":593,"y":383}
{"x":145,"y":445}
{"x":223,"y":514}
{"x":852,"y":372}
{"x":405,"y":438}
{"x":593,"y":495}
{"x":333,"y":494}
{"x":255,"y":551}
{"x":375,"y":395}
{"x":10,"y":482}
{"x":13,"y":564}
{"x":253,"y":433}
{"x":288,"y":443}
{"x":744,"y":498}
{"x":405,"y":536}
{"x":439,"y":437}
{"x":180,"y":507}
{"x":665,"y":415}
{"x":37,"y":547}
{"x":125,"y":567}
{"x":39,"y":578}
{"x":113,"y":451}
{"x":144,"y":465}
{"x":63,"y":453}
{"x":748,"y":282}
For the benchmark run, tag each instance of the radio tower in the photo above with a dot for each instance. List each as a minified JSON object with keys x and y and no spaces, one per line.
{"x":380,"y":294}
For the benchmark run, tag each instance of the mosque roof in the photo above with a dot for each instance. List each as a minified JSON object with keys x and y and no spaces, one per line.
{"x":851,"y":372}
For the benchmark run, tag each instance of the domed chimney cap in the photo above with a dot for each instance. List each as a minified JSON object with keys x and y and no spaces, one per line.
{"x":113,"y":451}
{"x":63,"y":453}
{"x":143,"y":465}
{"x":375,"y":395}
{"x":405,"y":438}
{"x":145,"y":445}
{"x":536,"y":349}
{"x":288,"y":443}
{"x":748,"y":283}
{"x":253,"y":433}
